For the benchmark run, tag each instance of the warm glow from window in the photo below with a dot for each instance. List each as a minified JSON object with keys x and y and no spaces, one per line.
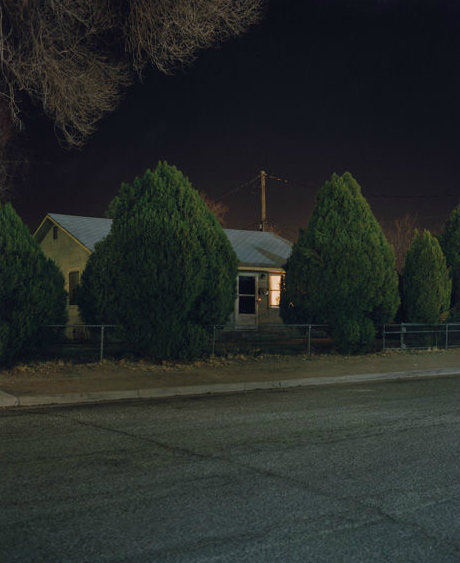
{"x":275,"y":290}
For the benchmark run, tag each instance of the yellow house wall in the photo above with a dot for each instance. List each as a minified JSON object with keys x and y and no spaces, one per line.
{"x":69,"y":256}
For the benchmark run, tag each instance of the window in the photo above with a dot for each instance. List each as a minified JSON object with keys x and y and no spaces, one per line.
{"x":275,"y":290}
{"x":74,"y":280}
{"x":55,"y":233}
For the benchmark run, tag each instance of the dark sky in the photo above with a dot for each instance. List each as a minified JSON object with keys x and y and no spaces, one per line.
{"x":320,"y":86}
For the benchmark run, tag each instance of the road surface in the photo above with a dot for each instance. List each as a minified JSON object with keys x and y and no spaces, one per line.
{"x":359,"y":473}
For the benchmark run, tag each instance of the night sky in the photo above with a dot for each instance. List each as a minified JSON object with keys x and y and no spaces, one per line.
{"x":319,"y":86}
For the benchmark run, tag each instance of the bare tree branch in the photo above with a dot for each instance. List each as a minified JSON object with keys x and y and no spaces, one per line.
{"x":399,"y":233}
{"x":54,"y":52}
{"x":75,"y":57}
{"x":170,"y":32}
{"x":217,"y":207}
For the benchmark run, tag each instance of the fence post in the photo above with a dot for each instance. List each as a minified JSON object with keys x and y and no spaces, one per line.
{"x":447,"y":336}
{"x":102,"y":344}
{"x":213,"y":341}
{"x":403,"y":330}
{"x":383,"y":339}
{"x":309,"y":341}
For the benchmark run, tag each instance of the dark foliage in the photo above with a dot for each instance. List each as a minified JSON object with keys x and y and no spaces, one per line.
{"x":426,"y":283}
{"x":31,"y":289}
{"x":166,"y":272}
{"x":341,"y":270}
{"x":450,"y":245}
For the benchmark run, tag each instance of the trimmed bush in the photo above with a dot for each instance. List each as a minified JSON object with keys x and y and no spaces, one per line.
{"x":31,"y":289}
{"x":450,"y":245}
{"x":426,"y":283}
{"x":341,"y":270}
{"x":166,"y":272}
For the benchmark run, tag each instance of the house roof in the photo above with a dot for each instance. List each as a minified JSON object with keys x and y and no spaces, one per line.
{"x":88,"y":230}
{"x":253,"y":248}
{"x":259,"y":248}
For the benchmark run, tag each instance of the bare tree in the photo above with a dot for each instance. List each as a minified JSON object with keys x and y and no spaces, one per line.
{"x":170,"y":32}
{"x":75,"y":57}
{"x":217,"y":207}
{"x":274,"y":228}
{"x":399,"y":233}
{"x":6,"y":127}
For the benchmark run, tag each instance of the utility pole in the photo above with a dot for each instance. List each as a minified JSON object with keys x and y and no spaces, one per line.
{"x":263,"y":203}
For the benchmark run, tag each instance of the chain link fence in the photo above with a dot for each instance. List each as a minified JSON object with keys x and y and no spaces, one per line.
{"x":79,"y":343}
{"x":270,"y":338}
{"x":420,"y":336}
{"x":91,"y":343}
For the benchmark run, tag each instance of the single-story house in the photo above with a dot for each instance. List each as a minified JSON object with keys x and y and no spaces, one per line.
{"x":69,"y":240}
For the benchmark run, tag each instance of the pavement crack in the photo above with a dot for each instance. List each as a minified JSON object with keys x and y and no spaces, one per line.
{"x":418,"y":528}
{"x":171,"y":449}
{"x":351,"y":503}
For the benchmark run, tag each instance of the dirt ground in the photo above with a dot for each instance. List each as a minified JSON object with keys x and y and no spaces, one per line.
{"x":66,"y":377}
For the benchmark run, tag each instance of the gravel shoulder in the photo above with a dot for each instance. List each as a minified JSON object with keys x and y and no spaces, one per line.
{"x":61,"y":377}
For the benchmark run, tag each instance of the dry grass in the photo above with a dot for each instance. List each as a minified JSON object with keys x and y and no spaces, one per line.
{"x":50,"y":369}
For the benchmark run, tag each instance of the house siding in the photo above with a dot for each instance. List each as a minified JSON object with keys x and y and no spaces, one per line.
{"x":259,"y":254}
{"x":69,"y":256}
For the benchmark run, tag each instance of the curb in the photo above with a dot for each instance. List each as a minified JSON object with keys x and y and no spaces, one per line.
{"x":8,"y":400}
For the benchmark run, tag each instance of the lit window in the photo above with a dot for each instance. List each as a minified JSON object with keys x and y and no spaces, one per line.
{"x":275,"y":290}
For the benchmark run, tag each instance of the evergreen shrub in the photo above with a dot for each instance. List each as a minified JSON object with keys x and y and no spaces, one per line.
{"x":31,"y":289}
{"x":166,"y":272}
{"x":426,"y":282}
{"x":450,"y":245}
{"x":342,"y":270}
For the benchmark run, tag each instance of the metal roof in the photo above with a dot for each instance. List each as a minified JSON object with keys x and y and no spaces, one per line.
{"x":253,"y":248}
{"x":259,"y":248}
{"x":88,"y":230}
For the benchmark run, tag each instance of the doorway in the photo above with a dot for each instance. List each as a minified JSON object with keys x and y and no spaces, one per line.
{"x":247,"y":300}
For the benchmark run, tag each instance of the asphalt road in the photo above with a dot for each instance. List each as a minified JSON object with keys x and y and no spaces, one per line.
{"x":349,"y":473}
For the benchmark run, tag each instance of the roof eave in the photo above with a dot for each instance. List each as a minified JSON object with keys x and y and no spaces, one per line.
{"x":261,"y":267}
{"x":48,"y":217}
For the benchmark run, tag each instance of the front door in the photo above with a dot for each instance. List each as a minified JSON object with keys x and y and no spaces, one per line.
{"x":247,"y":300}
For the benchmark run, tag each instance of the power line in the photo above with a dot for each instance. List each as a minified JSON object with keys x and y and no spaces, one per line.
{"x":241,"y":186}
{"x":376,"y":195}
{"x":292,"y":182}
{"x":399,"y":196}
{"x":271,"y":176}
{"x":443,"y":216}
{"x":285,"y":182}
